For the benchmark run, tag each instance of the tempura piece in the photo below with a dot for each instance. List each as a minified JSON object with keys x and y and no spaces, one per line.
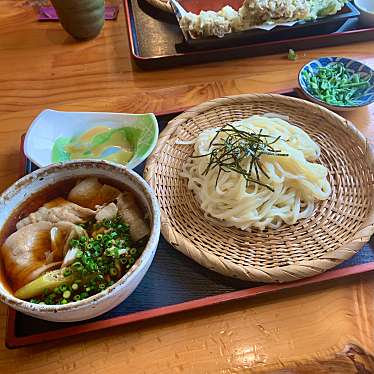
{"x":255,"y":13}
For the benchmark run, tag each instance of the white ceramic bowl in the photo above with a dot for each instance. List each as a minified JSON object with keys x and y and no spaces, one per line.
{"x":50,"y":125}
{"x":100,"y":303}
{"x":366,"y":8}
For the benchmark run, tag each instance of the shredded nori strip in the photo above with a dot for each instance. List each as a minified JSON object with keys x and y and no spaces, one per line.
{"x":238,"y":145}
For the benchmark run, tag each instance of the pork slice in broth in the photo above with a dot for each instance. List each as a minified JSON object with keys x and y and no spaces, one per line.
{"x":58,"y":210}
{"x":132,"y":215}
{"x":27,"y":253}
{"x":106,"y":212}
{"x":90,"y":193}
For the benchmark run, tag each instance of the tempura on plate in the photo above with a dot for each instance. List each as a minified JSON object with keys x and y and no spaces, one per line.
{"x":256,"y":12}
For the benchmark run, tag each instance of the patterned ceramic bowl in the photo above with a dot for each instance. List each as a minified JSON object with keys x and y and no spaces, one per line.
{"x":367,"y":94}
{"x":100,"y":303}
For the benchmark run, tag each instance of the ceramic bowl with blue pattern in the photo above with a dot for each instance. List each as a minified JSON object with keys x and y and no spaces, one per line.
{"x":364,"y":97}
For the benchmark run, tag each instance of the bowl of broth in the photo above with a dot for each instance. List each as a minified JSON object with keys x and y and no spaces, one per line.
{"x":76,"y":239}
{"x":57,"y":136}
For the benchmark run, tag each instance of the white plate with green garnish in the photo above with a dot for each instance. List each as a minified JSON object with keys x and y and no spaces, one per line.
{"x":56,"y":136}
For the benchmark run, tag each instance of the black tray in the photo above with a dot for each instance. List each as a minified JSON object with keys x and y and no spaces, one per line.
{"x":325,"y":25}
{"x":174,"y":283}
{"x":156,"y":40}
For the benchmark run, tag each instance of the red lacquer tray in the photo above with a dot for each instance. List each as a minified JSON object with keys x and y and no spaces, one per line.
{"x":166,"y":289}
{"x":156,"y":40}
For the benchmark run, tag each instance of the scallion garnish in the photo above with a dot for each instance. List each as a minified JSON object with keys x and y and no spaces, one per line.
{"x":292,"y":56}
{"x":335,"y":84}
{"x":99,"y":262}
{"x":237,"y":145}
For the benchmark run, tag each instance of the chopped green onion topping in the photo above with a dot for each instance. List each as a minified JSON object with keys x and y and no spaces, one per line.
{"x":292,"y":56}
{"x":66,"y":294}
{"x":336,"y":85}
{"x":67,"y":272}
{"x":98,"y":262}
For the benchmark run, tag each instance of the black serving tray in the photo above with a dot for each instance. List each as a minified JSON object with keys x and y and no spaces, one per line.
{"x":324,"y":25}
{"x":174,"y":283}
{"x":156,"y":40}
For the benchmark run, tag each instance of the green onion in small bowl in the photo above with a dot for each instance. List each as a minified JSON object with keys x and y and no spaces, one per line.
{"x":338,"y":83}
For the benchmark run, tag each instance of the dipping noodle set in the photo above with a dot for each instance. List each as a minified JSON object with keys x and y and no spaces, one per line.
{"x":252,"y":194}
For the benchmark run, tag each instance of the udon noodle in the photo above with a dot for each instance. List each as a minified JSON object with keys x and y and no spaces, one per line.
{"x":285,"y":191}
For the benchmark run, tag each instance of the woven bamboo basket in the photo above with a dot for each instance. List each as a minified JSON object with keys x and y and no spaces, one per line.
{"x":338,"y":228}
{"x":161,"y":4}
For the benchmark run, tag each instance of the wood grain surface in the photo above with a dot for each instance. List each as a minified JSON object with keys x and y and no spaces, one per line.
{"x":324,"y":329}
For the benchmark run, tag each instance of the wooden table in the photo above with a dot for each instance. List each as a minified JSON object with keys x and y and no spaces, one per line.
{"x":321,"y":329}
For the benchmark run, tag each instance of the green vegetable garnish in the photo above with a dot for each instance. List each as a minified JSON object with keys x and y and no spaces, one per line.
{"x":292,"y":55}
{"x":66,"y":294}
{"x":49,"y":283}
{"x":100,"y":261}
{"x":335,"y":85}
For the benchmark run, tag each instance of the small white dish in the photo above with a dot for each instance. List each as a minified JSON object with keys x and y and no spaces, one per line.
{"x":366,"y":8}
{"x":50,"y":125}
